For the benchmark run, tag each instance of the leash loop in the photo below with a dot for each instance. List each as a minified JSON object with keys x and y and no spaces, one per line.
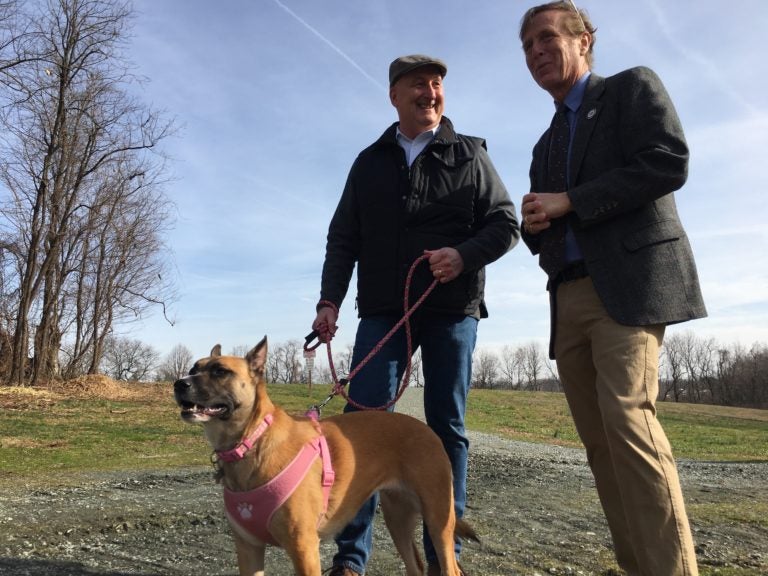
{"x":308,"y":340}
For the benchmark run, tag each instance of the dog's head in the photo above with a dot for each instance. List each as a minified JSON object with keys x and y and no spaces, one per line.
{"x":223,"y":392}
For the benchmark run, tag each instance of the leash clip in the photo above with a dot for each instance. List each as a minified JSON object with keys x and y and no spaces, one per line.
{"x":313,"y":413}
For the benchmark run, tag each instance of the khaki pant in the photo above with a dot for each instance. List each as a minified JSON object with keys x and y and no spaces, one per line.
{"x":610,"y":376}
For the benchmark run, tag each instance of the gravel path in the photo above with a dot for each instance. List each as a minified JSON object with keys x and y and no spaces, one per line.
{"x":534,"y":506}
{"x":411,"y":403}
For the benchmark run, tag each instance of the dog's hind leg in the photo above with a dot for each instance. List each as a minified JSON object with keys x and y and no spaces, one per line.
{"x":402,"y":516}
{"x":440,"y":521}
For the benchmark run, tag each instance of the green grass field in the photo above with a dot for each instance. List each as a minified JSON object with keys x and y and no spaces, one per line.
{"x":54,"y":433}
{"x":696,"y":431}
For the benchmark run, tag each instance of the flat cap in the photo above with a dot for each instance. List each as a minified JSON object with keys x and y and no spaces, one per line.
{"x":404,"y":64}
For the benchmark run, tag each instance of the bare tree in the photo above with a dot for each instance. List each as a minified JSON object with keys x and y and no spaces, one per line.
{"x":550,"y":378}
{"x":176,"y":364}
{"x":321,"y":374}
{"x":532,"y":362}
{"x":673,"y":363}
{"x":84,"y":214}
{"x":127,"y":359}
{"x":240,"y":350}
{"x":699,"y":370}
{"x":485,"y":369}
{"x":700,"y":359}
{"x":272,"y":364}
{"x":742,"y":376}
{"x":722,"y":391}
{"x":687,"y":367}
{"x":417,"y":375}
{"x":17,"y":39}
{"x":342,"y":362}
{"x":510,"y":367}
{"x":284,"y":363}
{"x":754,"y":377}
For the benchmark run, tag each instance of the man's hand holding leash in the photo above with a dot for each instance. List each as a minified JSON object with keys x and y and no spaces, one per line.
{"x":445,"y":264}
{"x":325,"y":323}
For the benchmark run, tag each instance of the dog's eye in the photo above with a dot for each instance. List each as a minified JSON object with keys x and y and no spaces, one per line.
{"x":218,"y":371}
{"x":193,"y":370}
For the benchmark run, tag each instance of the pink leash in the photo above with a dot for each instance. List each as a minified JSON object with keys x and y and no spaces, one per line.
{"x":339,"y":385}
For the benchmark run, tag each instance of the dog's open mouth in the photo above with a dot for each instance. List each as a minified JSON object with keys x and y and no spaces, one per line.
{"x":190,"y":411}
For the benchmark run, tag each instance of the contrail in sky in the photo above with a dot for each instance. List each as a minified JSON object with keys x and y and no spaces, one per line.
{"x":704,"y":63}
{"x":336,"y":49}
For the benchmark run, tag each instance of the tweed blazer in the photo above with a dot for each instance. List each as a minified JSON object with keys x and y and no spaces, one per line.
{"x":628,"y":156}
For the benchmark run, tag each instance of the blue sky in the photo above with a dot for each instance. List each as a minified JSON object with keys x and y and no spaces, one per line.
{"x":275,"y":98}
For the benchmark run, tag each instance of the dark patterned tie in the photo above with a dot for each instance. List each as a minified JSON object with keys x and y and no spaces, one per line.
{"x":552,"y":247}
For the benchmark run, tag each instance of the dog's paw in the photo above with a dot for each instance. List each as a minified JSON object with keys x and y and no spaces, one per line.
{"x":245,"y":510}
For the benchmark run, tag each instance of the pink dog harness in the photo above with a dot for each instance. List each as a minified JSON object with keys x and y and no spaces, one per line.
{"x":253,"y":510}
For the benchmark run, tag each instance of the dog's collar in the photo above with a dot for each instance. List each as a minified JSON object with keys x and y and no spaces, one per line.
{"x":239,"y":451}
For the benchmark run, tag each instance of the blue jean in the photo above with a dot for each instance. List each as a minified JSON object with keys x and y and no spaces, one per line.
{"x":447,"y":344}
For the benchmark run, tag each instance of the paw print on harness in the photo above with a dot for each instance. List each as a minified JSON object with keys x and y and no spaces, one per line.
{"x":245,"y":510}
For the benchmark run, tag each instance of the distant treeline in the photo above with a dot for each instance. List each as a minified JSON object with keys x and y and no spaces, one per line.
{"x":692,"y":369}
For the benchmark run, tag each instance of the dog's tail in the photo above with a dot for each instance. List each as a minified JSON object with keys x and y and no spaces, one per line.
{"x":464,"y":531}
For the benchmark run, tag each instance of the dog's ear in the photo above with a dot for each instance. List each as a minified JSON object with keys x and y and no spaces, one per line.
{"x":216,"y":350}
{"x":257,"y":357}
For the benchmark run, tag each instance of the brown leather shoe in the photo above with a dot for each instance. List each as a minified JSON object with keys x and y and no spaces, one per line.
{"x":434,"y":570}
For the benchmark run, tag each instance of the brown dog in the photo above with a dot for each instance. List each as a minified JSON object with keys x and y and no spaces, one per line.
{"x":371,"y":451}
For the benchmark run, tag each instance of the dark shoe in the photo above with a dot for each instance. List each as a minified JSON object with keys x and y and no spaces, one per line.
{"x":341,"y":571}
{"x":434,"y":570}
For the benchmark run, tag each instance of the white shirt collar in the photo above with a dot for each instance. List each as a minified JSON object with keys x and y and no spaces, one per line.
{"x":414,"y":147}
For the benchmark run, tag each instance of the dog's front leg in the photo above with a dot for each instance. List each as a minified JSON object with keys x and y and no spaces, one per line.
{"x":250,"y":557}
{"x":304,"y":551}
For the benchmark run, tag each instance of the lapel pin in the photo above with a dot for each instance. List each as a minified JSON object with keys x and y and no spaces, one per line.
{"x":591,"y":113}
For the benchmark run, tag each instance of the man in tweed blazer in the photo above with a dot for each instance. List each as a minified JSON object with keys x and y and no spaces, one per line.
{"x":619,"y":268}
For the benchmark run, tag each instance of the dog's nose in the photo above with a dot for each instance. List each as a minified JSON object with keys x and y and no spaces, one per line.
{"x":181,"y":384}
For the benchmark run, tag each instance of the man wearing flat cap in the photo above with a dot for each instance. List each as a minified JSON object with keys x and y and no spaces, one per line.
{"x":420,"y":189}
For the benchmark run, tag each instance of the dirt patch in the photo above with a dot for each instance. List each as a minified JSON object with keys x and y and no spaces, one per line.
{"x":84,"y":388}
{"x":100,"y":386}
{"x":18,"y":398}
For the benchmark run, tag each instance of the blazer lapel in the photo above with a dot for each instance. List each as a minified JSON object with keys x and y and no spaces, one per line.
{"x":588,"y":115}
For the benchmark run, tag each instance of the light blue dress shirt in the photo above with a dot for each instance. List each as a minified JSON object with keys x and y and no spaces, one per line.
{"x":572,"y":103}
